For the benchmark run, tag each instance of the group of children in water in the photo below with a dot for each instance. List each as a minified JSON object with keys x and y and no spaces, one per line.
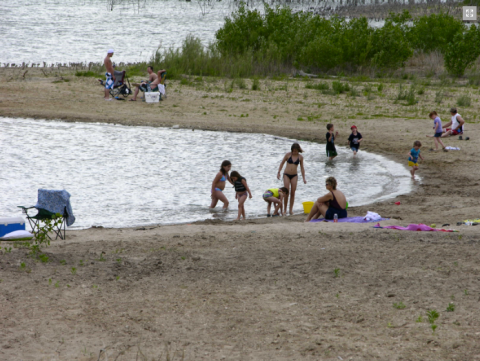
{"x":279,"y":197}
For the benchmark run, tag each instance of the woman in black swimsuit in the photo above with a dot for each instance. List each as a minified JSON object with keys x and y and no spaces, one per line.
{"x":334,"y":202}
{"x":290,"y":176}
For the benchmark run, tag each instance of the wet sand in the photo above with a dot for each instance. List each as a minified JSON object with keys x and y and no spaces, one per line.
{"x":264,"y":289}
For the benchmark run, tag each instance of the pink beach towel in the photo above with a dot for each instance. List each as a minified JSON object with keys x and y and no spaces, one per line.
{"x":415,"y":227}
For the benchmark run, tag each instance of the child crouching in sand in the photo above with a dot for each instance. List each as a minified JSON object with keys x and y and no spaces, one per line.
{"x":413,"y":159}
{"x":275,"y":195}
{"x":242,"y":190}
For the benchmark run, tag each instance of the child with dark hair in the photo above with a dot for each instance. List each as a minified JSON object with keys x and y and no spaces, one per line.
{"x":275,"y":195}
{"x":331,"y":150}
{"x":354,"y":140}
{"x":413,"y":158}
{"x":290,"y":175}
{"x":218,"y":185}
{"x":437,"y":126}
{"x":242,"y":190}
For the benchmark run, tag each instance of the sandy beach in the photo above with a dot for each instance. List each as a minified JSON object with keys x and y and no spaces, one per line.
{"x":262,"y":289}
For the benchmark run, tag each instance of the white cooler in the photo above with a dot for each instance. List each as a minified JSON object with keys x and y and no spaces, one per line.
{"x":152,"y":97}
{"x":11,"y":224}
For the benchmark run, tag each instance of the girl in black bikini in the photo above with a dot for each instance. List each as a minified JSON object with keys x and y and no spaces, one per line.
{"x":290,"y":176}
{"x":242,"y":191}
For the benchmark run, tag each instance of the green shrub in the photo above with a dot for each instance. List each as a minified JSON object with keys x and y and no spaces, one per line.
{"x":463,"y":51}
{"x":254,"y":43}
{"x":434,"y":32}
{"x":464,"y":101}
{"x":87,"y":74}
{"x":185,"y":81}
{"x":255,"y":84}
{"x":339,"y":87}
{"x":318,"y":86}
{"x":239,"y":82}
{"x":353,"y":92}
{"x":391,"y":47}
{"x":408,"y":95}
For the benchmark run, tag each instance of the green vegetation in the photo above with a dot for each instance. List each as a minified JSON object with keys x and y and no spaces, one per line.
{"x":399,"y":306}
{"x":408,"y":95}
{"x":255,"y":84}
{"x":450,"y":307}
{"x":432,"y":316}
{"x":87,"y":74}
{"x":318,"y":86}
{"x":336,"y":272}
{"x":464,"y":101}
{"x":252,"y":43}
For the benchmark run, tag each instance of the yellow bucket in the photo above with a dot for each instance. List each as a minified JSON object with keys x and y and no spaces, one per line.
{"x":307,"y":207}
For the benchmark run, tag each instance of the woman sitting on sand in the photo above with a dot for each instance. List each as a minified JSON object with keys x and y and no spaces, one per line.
{"x":290,"y":175}
{"x":330,"y":204}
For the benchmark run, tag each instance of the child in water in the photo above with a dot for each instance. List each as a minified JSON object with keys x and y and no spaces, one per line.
{"x":413,"y":159}
{"x":354,"y":140}
{"x":218,"y":185}
{"x":276,"y":195}
{"x":242,"y":190}
{"x":331,"y":150}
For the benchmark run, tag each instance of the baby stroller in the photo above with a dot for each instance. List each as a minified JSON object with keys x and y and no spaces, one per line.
{"x":122,"y":85}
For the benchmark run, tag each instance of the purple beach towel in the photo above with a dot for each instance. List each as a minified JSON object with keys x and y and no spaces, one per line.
{"x":416,"y":227}
{"x":349,"y":220}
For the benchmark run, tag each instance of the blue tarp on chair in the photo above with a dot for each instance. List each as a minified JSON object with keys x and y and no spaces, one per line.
{"x":56,"y":201}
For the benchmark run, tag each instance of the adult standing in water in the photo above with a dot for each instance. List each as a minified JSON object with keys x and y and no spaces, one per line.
{"x":218,"y":185}
{"x":109,"y":75}
{"x":290,"y":175}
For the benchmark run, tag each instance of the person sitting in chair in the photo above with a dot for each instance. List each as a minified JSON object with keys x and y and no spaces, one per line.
{"x":150,"y":86}
{"x":151,"y":78}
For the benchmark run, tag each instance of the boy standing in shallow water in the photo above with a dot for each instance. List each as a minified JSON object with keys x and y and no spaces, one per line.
{"x":331,"y":150}
{"x":413,"y":159}
{"x":354,"y":140}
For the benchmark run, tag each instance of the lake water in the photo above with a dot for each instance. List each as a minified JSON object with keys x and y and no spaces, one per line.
{"x":63,"y":31}
{"x":122,"y":176}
